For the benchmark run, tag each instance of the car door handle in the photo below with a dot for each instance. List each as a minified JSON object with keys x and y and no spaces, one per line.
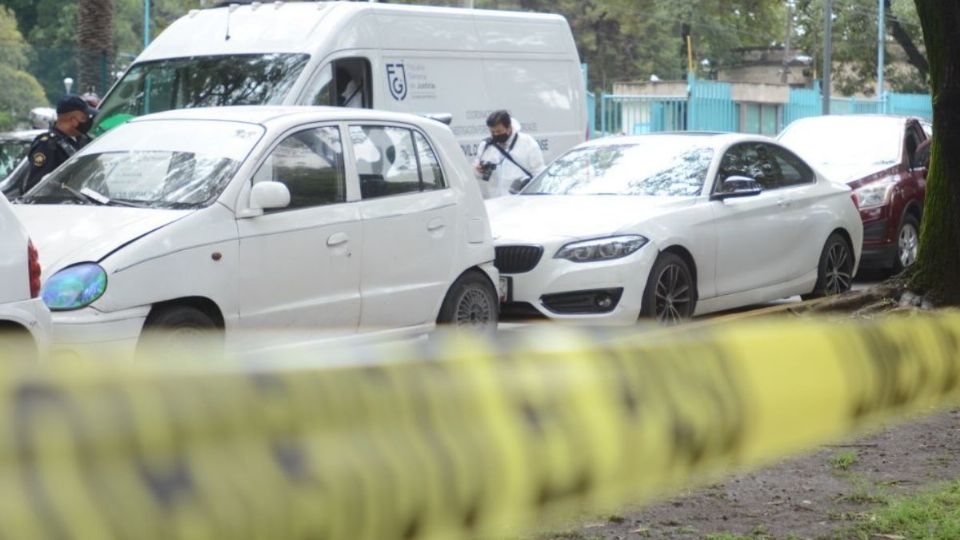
{"x":337,"y":239}
{"x":783,"y":203}
{"x":435,"y":225}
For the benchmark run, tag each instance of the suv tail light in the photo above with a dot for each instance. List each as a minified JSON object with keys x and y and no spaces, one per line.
{"x":856,"y":201}
{"x":33,"y":265}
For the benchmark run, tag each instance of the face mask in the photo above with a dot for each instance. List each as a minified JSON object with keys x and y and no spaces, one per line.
{"x":84,"y":127}
{"x":500,"y":139}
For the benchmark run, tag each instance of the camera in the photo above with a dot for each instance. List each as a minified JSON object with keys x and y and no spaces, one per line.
{"x":486,"y":169}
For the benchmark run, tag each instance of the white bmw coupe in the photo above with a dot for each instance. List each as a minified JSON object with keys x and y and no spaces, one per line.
{"x":669,"y":226}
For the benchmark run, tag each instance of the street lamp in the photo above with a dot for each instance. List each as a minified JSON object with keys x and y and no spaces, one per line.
{"x":146,"y":23}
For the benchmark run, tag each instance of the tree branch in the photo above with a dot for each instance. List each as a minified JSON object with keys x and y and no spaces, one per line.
{"x":900,"y":34}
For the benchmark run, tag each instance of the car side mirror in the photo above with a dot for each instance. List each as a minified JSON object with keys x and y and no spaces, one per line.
{"x":738,"y":186}
{"x":921,"y":158}
{"x":269,"y":195}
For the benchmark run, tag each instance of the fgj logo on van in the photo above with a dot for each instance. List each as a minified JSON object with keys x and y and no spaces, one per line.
{"x":397,"y":81}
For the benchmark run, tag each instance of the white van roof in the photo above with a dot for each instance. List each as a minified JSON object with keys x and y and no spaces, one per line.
{"x":311,"y":27}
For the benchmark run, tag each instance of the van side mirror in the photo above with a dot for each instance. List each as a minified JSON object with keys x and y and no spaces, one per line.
{"x":737,"y":186}
{"x":269,"y":195}
{"x":443,"y":118}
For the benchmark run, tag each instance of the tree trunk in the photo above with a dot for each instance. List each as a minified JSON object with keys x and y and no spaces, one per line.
{"x":937,"y":270}
{"x":95,"y":42}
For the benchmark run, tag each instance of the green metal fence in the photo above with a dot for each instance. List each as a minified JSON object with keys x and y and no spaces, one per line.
{"x":910,"y":105}
{"x":709,"y":106}
{"x":803,"y":102}
{"x":633,"y":115}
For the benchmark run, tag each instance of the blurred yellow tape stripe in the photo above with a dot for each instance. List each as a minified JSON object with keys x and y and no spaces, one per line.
{"x":456,"y":438}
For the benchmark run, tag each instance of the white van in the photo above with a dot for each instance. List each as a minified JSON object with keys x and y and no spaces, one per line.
{"x":425,"y":60}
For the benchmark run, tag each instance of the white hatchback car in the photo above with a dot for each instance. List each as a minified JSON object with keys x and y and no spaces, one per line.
{"x":669,"y":226}
{"x":24,"y":320}
{"x":330,"y":219}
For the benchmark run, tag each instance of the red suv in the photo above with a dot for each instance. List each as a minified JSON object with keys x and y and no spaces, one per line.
{"x":884,"y":159}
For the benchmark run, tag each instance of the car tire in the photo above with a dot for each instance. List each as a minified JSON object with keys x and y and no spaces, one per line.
{"x":670,"y":295}
{"x":908,"y":242}
{"x":472,"y":303}
{"x":178,"y":327}
{"x":17,"y":344}
{"x":834,"y":270}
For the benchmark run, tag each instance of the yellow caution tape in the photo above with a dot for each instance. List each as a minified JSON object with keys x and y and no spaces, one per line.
{"x":455,"y":438}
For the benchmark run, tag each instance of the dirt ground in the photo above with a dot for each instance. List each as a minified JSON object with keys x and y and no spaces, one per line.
{"x":815,"y":496}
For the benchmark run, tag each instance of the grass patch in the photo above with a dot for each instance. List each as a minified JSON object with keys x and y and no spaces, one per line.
{"x":931,"y":515}
{"x":842,"y":461}
{"x":864,"y":492}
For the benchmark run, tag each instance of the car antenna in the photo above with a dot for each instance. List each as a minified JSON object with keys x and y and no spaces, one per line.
{"x":230,"y":9}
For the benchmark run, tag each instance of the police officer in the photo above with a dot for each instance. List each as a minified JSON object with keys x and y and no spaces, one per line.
{"x":67,"y":135}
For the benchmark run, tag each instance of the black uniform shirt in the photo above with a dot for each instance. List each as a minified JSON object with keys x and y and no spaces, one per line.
{"x":48,"y":151}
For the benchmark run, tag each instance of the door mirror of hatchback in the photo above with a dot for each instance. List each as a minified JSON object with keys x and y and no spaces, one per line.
{"x":269,"y":195}
{"x":737,"y":186}
{"x":921,"y":158}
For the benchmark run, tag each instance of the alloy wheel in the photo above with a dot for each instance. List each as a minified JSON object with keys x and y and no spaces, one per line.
{"x":908,"y":244}
{"x":673,"y":296}
{"x":839,"y":271}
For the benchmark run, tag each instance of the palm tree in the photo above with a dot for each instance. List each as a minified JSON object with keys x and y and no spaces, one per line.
{"x":95,"y":42}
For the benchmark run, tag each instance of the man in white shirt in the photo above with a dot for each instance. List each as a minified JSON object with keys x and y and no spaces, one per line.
{"x":508,"y":158}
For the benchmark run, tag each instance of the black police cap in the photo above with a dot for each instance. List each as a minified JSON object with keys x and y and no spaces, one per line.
{"x":73,"y":102}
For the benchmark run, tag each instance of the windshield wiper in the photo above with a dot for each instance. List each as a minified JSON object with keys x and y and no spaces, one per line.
{"x":87,"y":194}
{"x":126,"y":202}
{"x":83,"y":194}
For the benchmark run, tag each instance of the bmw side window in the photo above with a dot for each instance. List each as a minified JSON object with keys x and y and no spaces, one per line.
{"x":430,"y":171}
{"x":386,"y":161}
{"x":310,"y":164}
{"x":753,"y":160}
{"x":735,"y":162}
{"x":793,"y":171}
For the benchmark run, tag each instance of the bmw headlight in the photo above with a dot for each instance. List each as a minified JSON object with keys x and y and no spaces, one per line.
{"x":875,"y":194}
{"x":75,"y":287}
{"x":601,"y":249}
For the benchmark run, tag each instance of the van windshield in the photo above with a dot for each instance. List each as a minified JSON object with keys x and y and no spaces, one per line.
{"x":202,"y":81}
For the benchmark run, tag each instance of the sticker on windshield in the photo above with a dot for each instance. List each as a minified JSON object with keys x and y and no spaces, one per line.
{"x":136,"y":177}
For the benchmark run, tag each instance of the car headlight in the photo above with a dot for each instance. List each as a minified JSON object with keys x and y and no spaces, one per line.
{"x":875,"y":194}
{"x":75,"y":287}
{"x":601,"y":249}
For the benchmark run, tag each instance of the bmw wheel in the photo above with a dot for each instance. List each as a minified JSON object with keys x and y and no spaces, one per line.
{"x":670,"y":294}
{"x":835,"y":271}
